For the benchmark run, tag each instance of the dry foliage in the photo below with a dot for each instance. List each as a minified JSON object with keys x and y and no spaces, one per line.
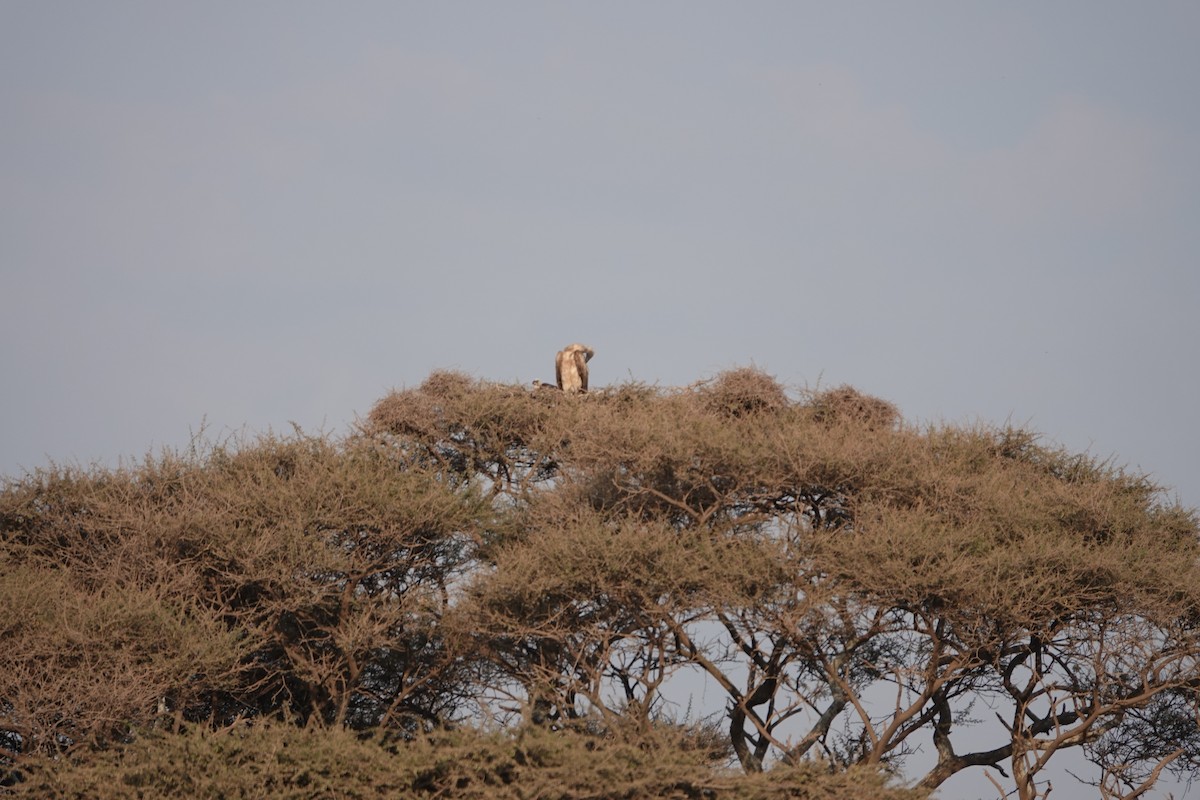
{"x":286,"y":575}
{"x":740,"y":392}
{"x":275,"y":762}
{"x":845,"y":405}
{"x":854,"y":587}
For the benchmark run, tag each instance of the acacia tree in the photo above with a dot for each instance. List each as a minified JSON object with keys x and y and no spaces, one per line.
{"x":856,"y":587}
{"x":286,"y":577}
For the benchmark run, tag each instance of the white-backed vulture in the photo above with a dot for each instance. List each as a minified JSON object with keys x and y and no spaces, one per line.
{"x":570,"y":368}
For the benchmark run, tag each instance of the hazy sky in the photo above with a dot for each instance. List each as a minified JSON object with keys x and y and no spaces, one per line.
{"x":250,"y":213}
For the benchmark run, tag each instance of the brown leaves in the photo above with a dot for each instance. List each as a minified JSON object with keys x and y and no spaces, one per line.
{"x":272,"y":761}
{"x":480,"y":550}
{"x":274,"y":576}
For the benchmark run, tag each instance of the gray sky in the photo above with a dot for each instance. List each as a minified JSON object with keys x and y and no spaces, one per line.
{"x":247,"y":214}
{"x":256,"y":213}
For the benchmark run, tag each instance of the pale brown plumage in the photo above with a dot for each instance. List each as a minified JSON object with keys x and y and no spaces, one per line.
{"x":570,"y":368}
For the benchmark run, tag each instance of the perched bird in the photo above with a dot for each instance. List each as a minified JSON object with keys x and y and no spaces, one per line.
{"x":570,"y":368}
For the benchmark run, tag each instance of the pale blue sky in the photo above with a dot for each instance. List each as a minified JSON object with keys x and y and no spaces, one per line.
{"x":252,"y":213}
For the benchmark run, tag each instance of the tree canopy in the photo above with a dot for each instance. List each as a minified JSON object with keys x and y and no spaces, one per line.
{"x":492,"y":588}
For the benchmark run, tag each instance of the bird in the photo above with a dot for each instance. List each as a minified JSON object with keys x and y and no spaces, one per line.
{"x":570,"y":368}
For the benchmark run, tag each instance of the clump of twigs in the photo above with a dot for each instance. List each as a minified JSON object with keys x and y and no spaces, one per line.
{"x":845,"y":404}
{"x":743,"y":391}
